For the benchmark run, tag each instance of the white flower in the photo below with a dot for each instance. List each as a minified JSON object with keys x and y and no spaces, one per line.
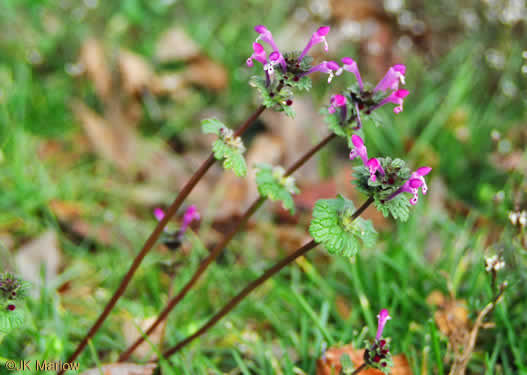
{"x":494,"y":263}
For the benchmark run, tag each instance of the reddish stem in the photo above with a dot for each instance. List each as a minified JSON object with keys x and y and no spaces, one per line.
{"x":253,"y":285}
{"x":216,"y":252}
{"x":154,"y":236}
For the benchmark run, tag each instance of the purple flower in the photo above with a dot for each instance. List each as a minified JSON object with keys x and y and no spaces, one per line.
{"x":159,"y":214}
{"x":374,"y":166}
{"x":336,"y":101}
{"x":351,"y":66}
{"x":318,"y":36}
{"x":267,"y":37}
{"x":391,"y":79}
{"x":327,"y":67}
{"x":413,"y":184}
{"x":382,"y":317}
{"x":190,"y":215}
{"x":258,"y":54}
{"x":390,"y":82}
{"x":359,"y":150}
{"x":395,"y":97}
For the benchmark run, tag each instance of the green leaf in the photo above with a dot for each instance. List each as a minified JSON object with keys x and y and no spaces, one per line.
{"x":333,"y":227}
{"x":232,"y":157}
{"x":273,"y":185}
{"x":396,"y":174}
{"x":288,"y":110}
{"x":10,"y":320}
{"x":398,"y":207}
{"x":212,"y":125}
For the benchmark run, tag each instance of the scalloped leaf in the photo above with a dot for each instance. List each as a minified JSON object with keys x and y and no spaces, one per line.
{"x":398,"y":207}
{"x":332,"y":227}
{"x":10,"y":320}
{"x":212,"y":126}
{"x":269,"y":186}
{"x":232,"y":157}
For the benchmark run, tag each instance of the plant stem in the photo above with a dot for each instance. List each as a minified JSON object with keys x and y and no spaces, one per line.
{"x":217,"y":250}
{"x":359,"y":369}
{"x":154,"y":236}
{"x":253,"y":285}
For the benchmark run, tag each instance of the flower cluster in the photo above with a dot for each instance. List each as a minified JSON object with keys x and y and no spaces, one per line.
{"x":290,"y":63}
{"x":494,"y":263}
{"x":173,"y":240}
{"x":287,"y":71}
{"x":384,"y":176}
{"x":378,"y":354}
{"x":11,"y":290}
{"x":343,"y":115}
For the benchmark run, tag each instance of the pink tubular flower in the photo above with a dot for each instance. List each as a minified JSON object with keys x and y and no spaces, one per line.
{"x":267,"y":37}
{"x":382,"y":317}
{"x":159,"y":214}
{"x":336,"y":101}
{"x":374,"y":166}
{"x":327,"y":67}
{"x":396,"y":97}
{"x":351,"y":66}
{"x":190,"y":215}
{"x":413,"y":184}
{"x":258,"y":54}
{"x":359,"y":150}
{"x":391,"y":79}
{"x":318,"y":36}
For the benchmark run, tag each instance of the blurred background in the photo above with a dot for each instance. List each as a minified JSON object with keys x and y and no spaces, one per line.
{"x":100,"y":109}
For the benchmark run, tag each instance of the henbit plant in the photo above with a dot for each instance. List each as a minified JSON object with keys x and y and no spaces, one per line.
{"x":279,"y":88}
{"x":275,"y":183}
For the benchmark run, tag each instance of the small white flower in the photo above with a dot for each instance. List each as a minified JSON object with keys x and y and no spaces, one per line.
{"x":513,"y":217}
{"x":522,"y":218}
{"x":494,"y":263}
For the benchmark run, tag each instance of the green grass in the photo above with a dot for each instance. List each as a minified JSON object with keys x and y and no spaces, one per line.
{"x":281,"y":327}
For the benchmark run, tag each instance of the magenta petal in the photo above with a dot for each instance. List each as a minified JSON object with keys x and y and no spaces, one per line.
{"x":402,"y":93}
{"x":274,"y":56}
{"x":338,"y":100}
{"x":357,"y":141}
{"x":260,"y":29}
{"x":258,"y":48}
{"x":159,"y":214}
{"x":423,"y":171}
{"x":332,"y":65}
{"x":383,"y":317}
{"x":415,"y":183}
{"x":391,"y":79}
{"x":323,"y":30}
{"x":400,"y":68}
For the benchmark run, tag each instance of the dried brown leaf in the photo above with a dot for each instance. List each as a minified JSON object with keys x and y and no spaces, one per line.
{"x":119,"y":148}
{"x":93,"y":59}
{"x":207,"y":73}
{"x":136,"y":73}
{"x":451,"y":317}
{"x":44,"y":252}
{"x":176,"y":45}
